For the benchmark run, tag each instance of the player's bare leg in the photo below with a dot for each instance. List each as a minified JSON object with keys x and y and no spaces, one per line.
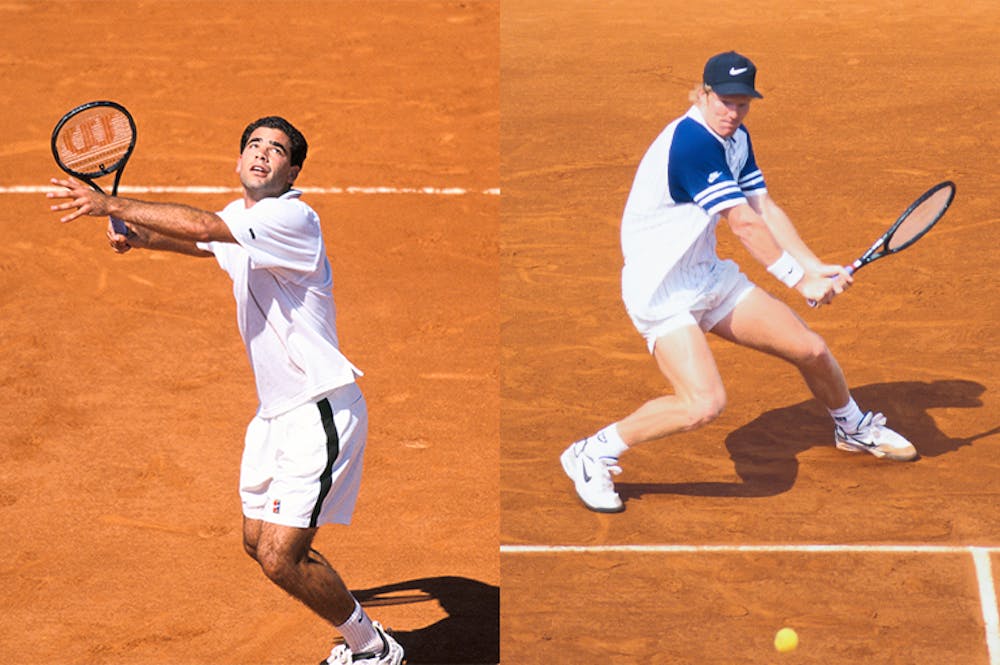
{"x":286,"y":556}
{"x":766,"y":324}
{"x":685,"y":359}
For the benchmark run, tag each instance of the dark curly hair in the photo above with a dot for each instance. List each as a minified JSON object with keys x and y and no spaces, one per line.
{"x":298,"y":147}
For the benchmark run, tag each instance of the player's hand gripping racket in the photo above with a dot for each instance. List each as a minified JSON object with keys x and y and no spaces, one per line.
{"x":94,"y":140}
{"x":909,"y":227}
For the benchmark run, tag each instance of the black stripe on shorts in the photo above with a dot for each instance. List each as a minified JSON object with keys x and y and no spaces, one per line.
{"x":332,"y":452}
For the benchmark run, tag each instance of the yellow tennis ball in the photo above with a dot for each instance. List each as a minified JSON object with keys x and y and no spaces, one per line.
{"x":786,"y":640}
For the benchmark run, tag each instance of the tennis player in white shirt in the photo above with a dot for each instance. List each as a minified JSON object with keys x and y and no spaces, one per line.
{"x":699,"y":171}
{"x":304,"y":448}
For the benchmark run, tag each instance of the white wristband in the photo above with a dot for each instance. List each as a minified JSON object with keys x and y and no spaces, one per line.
{"x":787,"y":270}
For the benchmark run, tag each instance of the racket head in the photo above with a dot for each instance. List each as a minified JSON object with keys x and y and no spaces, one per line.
{"x":920,"y":217}
{"x":93,"y":140}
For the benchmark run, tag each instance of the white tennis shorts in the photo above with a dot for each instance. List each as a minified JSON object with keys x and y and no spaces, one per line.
{"x":303,"y":468}
{"x":699,"y":294}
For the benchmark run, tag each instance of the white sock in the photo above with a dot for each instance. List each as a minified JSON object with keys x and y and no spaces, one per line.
{"x":607,"y":443}
{"x":848,"y":416}
{"x":359,"y":633}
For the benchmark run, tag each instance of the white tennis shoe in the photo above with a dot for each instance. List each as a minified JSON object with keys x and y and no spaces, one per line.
{"x":391,"y":653}
{"x":592,"y":478}
{"x":875,"y":438}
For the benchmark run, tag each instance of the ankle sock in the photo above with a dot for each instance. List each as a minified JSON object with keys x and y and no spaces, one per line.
{"x":607,"y":443}
{"x":848,"y":417}
{"x":360,"y":633}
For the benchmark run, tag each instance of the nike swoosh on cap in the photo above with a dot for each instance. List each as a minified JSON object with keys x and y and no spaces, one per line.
{"x":733,"y":71}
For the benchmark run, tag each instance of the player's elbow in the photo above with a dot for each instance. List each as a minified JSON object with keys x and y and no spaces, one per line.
{"x":210,"y":228}
{"x":745,"y":223}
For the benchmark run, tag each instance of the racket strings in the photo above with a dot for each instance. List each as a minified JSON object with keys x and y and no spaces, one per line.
{"x":921,"y":218}
{"x":99,"y":161}
{"x":94,"y":141}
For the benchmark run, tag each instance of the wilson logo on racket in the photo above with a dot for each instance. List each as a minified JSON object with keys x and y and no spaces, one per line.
{"x":95,"y":130}
{"x":93,"y":140}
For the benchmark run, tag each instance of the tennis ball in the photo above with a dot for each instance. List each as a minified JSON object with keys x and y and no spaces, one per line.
{"x":786,"y":640}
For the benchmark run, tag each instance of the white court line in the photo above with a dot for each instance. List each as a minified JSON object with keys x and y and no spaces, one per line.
{"x":703,"y":549}
{"x":980,"y":557}
{"x":988,"y":601}
{"x":178,"y":189}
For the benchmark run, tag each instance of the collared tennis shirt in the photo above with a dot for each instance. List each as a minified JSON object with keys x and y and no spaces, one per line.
{"x":283,"y":285}
{"x":687,"y":177}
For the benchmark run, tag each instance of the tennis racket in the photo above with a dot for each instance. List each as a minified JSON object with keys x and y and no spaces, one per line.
{"x":94,"y":140}
{"x":909,"y":227}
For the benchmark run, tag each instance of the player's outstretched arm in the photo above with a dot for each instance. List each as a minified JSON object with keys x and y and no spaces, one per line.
{"x":140,"y":238}
{"x":173,"y":220}
{"x":159,"y":226}
{"x":813,"y":280}
{"x":785,"y":233}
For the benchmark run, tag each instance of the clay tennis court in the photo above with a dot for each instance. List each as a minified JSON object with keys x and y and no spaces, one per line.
{"x":756,"y":521}
{"x":124,"y":383}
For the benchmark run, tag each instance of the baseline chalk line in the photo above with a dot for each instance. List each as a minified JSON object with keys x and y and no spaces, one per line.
{"x":192,"y":189}
{"x":707,"y":549}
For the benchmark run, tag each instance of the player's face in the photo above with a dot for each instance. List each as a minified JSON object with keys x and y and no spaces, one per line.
{"x":265,"y":166}
{"x":725,"y":113}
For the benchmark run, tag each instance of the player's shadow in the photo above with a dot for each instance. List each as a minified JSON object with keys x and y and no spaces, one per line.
{"x":765,"y":450}
{"x":468,"y":635}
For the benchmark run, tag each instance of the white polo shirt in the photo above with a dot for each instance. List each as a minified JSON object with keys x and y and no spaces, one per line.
{"x":686,"y":178}
{"x":283,"y":286}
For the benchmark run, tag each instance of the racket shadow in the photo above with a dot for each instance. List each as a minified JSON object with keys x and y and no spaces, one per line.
{"x":470,"y":634}
{"x":765,"y":451}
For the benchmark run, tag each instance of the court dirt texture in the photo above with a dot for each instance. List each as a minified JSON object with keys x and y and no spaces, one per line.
{"x":865,"y":107}
{"x":125,"y":385}
{"x":491,"y":334}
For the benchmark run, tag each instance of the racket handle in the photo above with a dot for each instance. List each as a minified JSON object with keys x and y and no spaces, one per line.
{"x":119,"y":226}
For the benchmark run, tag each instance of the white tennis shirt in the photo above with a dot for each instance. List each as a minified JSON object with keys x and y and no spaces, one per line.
{"x":283,"y":286}
{"x":686,"y":178}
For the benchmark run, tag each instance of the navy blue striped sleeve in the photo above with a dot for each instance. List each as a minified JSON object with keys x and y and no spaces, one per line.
{"x":697,"y":171}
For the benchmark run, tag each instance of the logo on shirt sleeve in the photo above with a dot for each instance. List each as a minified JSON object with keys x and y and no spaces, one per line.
{"x":712,"y":177}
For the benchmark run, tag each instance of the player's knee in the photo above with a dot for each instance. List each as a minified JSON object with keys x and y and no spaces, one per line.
{"x":705,"y":408}
{"x":814,"y":351}
{"x":276,"y":564}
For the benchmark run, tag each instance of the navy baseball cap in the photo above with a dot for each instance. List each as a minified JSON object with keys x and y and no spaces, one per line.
{"x":731,"y":74}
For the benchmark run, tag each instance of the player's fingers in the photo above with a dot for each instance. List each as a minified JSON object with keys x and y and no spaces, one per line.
{"x":79,"y":212}
{"x":67,"y":182}
{"x":120,"y":246}
{"x":836,"y":272}
{"x":844,"y":275}
{"x":81,"y":205}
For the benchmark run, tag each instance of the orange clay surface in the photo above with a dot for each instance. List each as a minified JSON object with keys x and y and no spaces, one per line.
{"x":124,"y":385}
{"x":865,"y":107}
